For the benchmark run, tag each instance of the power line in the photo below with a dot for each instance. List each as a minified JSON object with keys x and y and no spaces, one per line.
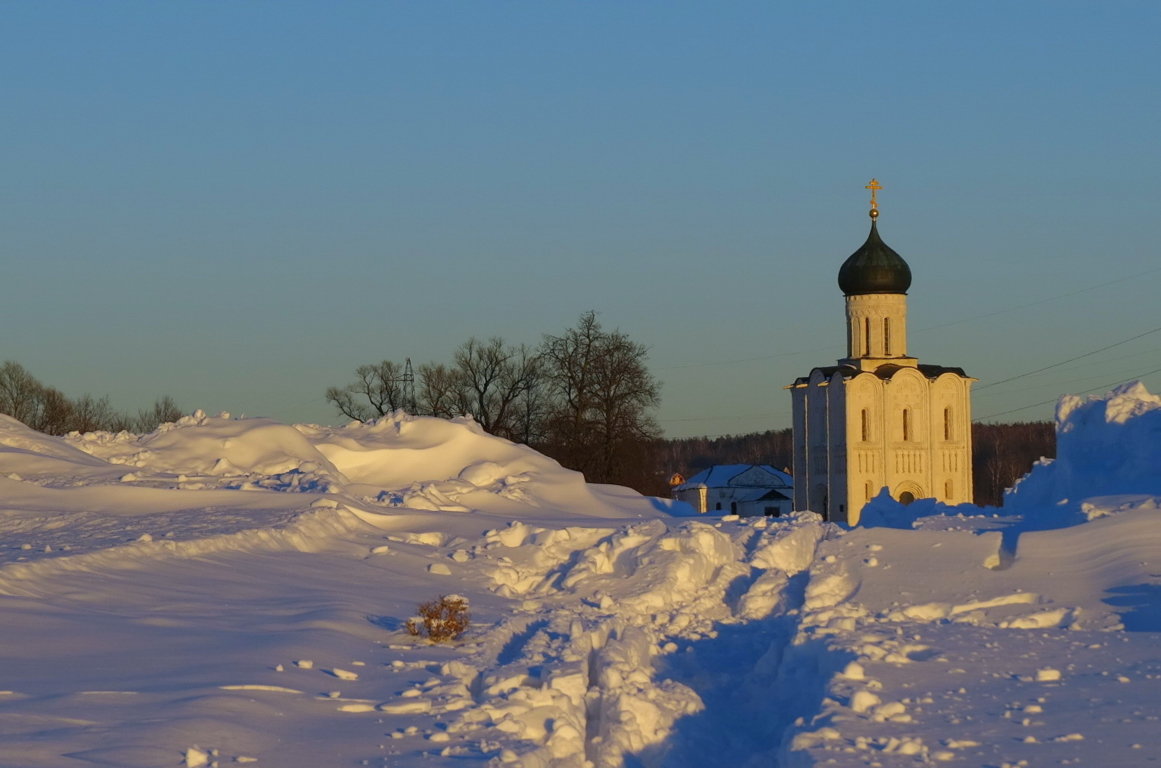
{"x":1069,"y":360}
{"x":1082,"y":392}
{"x":971,"y":318}
{"x":986,"y":315}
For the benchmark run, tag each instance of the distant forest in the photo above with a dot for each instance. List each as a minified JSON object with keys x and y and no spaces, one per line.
{"x":1001,"y":454}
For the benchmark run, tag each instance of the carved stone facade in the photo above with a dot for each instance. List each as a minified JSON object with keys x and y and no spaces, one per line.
{"x":879,"y":419}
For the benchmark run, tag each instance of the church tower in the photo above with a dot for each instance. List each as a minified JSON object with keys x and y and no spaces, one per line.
{"x":879,"y":418}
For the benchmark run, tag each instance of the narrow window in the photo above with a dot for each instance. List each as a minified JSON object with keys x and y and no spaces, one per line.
{"x":947,"y":487}
{"x":906,"y":424}
{"x":867,"y":337}
{"x":946,"y":423}
{"x":886,"y":337}
{"x":867,"y":490}
{"x":866,"y":424}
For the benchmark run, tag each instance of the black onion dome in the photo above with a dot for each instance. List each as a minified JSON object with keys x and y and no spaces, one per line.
{"x":874,"y":268}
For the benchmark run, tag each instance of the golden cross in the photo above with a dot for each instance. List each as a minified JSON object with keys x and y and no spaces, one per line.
{"x":874,"y":186}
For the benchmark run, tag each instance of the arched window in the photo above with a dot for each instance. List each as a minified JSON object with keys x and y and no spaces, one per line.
{"x":886,"y":336}
{"x":866,"y":425}
{"x":906,"y":424}
{"x":867,"y":490}
{"x":867,"y":336}
{"x":947,"y":423}
{"x":947,"y":488}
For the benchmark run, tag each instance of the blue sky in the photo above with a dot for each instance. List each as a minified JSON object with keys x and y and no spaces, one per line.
{"x":238,"y":203}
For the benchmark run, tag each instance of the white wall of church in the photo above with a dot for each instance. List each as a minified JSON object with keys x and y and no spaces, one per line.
{"x":817,"y":449}
{"x":909,"y":434}
{"x":799,"y":459}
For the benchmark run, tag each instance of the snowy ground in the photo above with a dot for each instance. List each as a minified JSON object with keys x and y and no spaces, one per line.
{"x":235,"y":591}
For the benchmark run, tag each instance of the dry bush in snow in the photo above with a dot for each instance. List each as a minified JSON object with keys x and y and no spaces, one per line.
{"x":441,"y":620}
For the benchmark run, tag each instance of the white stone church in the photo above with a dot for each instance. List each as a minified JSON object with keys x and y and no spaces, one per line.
{"x":879,"y":418}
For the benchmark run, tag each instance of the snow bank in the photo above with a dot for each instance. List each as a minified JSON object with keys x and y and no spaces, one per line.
{"x":1105,"y":445}
{"x":236,"y":590}
{"x":217,"y":446}
{"x":33,"y":455}
{"x":452,"y":465}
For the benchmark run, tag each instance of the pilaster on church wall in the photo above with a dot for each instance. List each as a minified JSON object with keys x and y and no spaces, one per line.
{"x":866,"y":458}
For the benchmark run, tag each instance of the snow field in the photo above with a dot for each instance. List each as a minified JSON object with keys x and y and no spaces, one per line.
{"x":230,"y":591}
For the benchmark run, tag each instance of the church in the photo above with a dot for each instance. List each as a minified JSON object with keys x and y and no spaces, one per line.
{"x":879,"y":418}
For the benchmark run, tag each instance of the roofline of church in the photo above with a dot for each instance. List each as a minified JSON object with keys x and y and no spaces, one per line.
{"x":886,"y":371}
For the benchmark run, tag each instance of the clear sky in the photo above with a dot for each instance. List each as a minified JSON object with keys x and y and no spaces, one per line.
{"x":236,"y":203}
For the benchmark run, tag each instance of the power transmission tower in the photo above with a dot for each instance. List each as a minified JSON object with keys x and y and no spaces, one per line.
{"x":408,"y":388}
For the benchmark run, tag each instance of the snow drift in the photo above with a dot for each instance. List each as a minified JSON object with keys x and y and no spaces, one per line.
{"x":231,"y":591}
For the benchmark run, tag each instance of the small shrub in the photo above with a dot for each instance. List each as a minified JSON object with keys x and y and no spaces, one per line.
{"x":441,"y":620}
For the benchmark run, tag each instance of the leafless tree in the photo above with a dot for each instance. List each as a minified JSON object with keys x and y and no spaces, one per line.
{"x":48,"y":410}
{"x":583,"y":397}
{"x":92,"y":414}
{"x":164,"y":410}
{"x":601,"y":423}
{"x":21,"y":395}
{"x":55,"y":413}
{"x":376,"y":391}
{"x":496,"y":377}
{"x":441,"y":391}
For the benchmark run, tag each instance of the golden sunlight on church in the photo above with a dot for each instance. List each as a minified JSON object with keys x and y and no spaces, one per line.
{"x":879,"y":418}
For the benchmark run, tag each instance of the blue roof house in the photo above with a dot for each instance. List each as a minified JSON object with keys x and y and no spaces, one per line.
{"x":738,"y":489}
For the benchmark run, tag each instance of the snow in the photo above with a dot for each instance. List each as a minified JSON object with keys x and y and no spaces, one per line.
{"x":234,"y":591}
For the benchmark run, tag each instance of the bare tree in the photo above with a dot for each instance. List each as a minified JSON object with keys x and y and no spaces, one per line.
{"x":93,"y":414}
{"x":21,"y":395}
{"x":55,"y":414}
{"x":377,"y":390}
{"x":441,"y":392}
{"x":48,"y":410}
{"x":600,"y":423}
{"x":164,"y":410}
{"x":496,"y":377}
{"x":1003,"y":453}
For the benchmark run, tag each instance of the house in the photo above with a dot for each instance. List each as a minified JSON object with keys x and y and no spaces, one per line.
{"x":738,"y":489}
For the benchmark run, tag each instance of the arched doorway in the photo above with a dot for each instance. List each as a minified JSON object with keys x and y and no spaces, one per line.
{"x":908,"y":492}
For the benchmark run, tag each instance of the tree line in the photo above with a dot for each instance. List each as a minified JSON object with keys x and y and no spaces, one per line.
{"x":47,"y":409}
{"x":1001,"y":454}
{"x":584,"y":397}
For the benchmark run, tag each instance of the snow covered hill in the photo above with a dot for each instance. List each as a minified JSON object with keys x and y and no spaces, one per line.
{"x":232,"y":591}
